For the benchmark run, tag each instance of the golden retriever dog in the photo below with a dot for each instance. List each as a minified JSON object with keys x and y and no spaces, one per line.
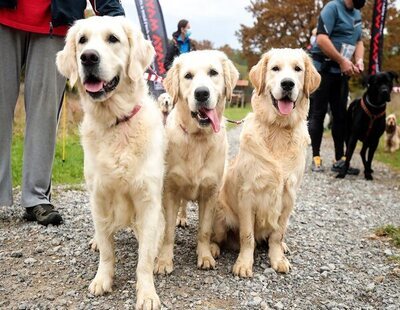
{"x":392,"y":134}
{"x":200,"y":83}
{"x":123,"y":142}
{"x":259,"y":186}
{"x":165,"y":104}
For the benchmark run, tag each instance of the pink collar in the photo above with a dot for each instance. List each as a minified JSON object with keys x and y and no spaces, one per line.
{"x":126,"y":118}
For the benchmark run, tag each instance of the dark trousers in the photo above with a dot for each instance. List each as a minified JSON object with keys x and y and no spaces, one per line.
{"x":333,"y":90}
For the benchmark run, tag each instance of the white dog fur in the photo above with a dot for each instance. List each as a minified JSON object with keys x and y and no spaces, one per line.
{"x":259,"y":186}
{"x":195,"y":154}
{"x":123,"y":162}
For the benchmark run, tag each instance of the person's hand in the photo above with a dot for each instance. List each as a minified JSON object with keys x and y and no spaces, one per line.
{"x":347,"y":67}
{"x":360,"y":64}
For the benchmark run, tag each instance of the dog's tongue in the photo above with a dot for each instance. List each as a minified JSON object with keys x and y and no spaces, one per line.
{"x":94,"y":87}
{"x":285,"y":106}
{"x":212,"y":115}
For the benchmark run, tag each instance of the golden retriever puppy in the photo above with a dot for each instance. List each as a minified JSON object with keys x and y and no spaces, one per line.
{"x":200,"y":83}
{"x":165,"y":104}
{"x":123,"y":142}
{"x":259,"y":186}
{"x":392,"y":134}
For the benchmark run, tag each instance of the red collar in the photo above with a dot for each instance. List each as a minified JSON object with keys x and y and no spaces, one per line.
{"x":126,"y":118}
{"x":184,"y":129}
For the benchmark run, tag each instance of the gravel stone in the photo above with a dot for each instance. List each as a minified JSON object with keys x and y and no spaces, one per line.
{"x":330,"y":228}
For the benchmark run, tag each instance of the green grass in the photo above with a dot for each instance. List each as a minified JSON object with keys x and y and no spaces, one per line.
{"x":391,"y":159}
{"x":390,"y":231}
{"x":68,"y":172}
{"x":236,"y":114}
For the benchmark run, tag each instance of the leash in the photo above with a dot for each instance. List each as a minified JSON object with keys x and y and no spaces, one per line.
{"x":372,"y":117}
{"x":235,"y":122}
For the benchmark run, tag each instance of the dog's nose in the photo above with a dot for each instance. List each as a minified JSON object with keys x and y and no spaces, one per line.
{"x":90,"y":58}
{"x":287,"y":84}
{"x":202,"y":94}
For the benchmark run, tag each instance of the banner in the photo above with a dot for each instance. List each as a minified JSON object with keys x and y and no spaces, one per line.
{"x":376,"y":48}
{"x":153,"y":27}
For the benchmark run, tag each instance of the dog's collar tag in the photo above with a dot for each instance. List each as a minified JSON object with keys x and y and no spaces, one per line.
{"x":126,"y":118}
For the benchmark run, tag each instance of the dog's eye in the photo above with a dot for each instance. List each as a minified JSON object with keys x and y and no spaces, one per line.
{"x":112,"y":39}
{"x":212,"y":72}
{"x":82,"y":40}
{"x":276,"y":68}
{"x":297,"y":69}
{"x":188,"y":76}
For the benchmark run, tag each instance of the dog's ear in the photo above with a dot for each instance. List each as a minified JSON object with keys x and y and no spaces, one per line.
{"x":141,"y":53}
{"x":258,"y":74}
{"x":394,"y":76}
{"x":66,"y":59}
{"x":312,"y":78}
{"x":171,"y":82}
{"x":231,"y":76}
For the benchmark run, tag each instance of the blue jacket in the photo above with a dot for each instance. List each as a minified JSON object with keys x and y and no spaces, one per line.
{"x":65,"y":12}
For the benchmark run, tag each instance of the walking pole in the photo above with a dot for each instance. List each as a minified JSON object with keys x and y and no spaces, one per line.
{"x":64,"y":125}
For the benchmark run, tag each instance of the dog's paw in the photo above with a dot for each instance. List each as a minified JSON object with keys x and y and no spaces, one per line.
{"x":215,"y":250}
{"x":243,"y":269}
{"x":147,"y":300}
{"x":282,"y":266}
{"x":93,"y":245}
{"x":205,"y":262}
{"x":100,"y":285}
{"x":369,"y":177}
{"x":181,"y":222}
{"x":163,"y":266}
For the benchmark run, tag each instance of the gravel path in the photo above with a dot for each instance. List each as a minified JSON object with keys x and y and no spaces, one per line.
{"x":335,"y":263}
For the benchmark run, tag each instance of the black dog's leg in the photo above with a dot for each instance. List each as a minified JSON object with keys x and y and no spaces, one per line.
{"x":371,"y":151}
{"x":350,"y":147}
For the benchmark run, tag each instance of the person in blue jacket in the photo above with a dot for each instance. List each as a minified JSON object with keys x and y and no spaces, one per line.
{"x":337,"y":54}
{"x":31,"y":34}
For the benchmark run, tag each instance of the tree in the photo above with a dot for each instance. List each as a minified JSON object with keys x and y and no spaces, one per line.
{"x":203,"y":45}
{"x":281,"y":23}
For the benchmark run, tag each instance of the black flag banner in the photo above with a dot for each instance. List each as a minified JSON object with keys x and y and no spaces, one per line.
{"x":378,"y":25}
{"x":153,"y":27}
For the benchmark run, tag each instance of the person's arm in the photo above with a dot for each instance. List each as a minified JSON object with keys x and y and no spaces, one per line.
{"x":327,"y":47}
{"x":169,"y":58}
{"x":107,"y":7}
{"x":359,"y":55}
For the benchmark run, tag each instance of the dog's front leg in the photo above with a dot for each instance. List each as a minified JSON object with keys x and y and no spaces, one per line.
{"x":164,"y":263}
{"x":104,"y":238}
{"x":368,"y":165}
{"x":350,"y":147}
{"x":243,"y":266}
{"x":149,"y":223}
{"x":205,"y":259}
{"x":277,"y":247}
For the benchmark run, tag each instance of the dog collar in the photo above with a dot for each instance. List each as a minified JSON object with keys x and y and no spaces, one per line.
{"x":126,"y":118}
{"x":184,"y":129}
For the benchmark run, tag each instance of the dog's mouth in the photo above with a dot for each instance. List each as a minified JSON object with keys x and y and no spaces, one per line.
{"x":96,"y":87}
{"x":390,"y":127}
{"x":206,"y":117}
{"x":285,"y":105}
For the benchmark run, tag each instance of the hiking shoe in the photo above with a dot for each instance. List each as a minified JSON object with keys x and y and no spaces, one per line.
{"x":339,"y":165}
{"x":44,"y":214}
{"x":316,"y":164}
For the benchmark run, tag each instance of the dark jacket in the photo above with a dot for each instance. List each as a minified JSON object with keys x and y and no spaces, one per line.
{"x":65,"y":12}
{"x":173,"y":51}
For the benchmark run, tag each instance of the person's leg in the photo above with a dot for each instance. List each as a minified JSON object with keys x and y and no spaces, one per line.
{"x":338,"y":93}
{"x":318,"y":110}
{"x":11,"y":55}
{"x":44,"y":88}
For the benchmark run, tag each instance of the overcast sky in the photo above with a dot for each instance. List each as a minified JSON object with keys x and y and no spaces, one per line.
{"x":214,"y":20}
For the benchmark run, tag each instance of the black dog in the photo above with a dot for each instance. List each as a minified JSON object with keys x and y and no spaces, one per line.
{"x":365,"y":120}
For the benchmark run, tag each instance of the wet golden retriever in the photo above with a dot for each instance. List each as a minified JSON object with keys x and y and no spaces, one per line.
{"x":200,"y":83}
{"x":259,"y":187}
{"x":123,"y":142}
